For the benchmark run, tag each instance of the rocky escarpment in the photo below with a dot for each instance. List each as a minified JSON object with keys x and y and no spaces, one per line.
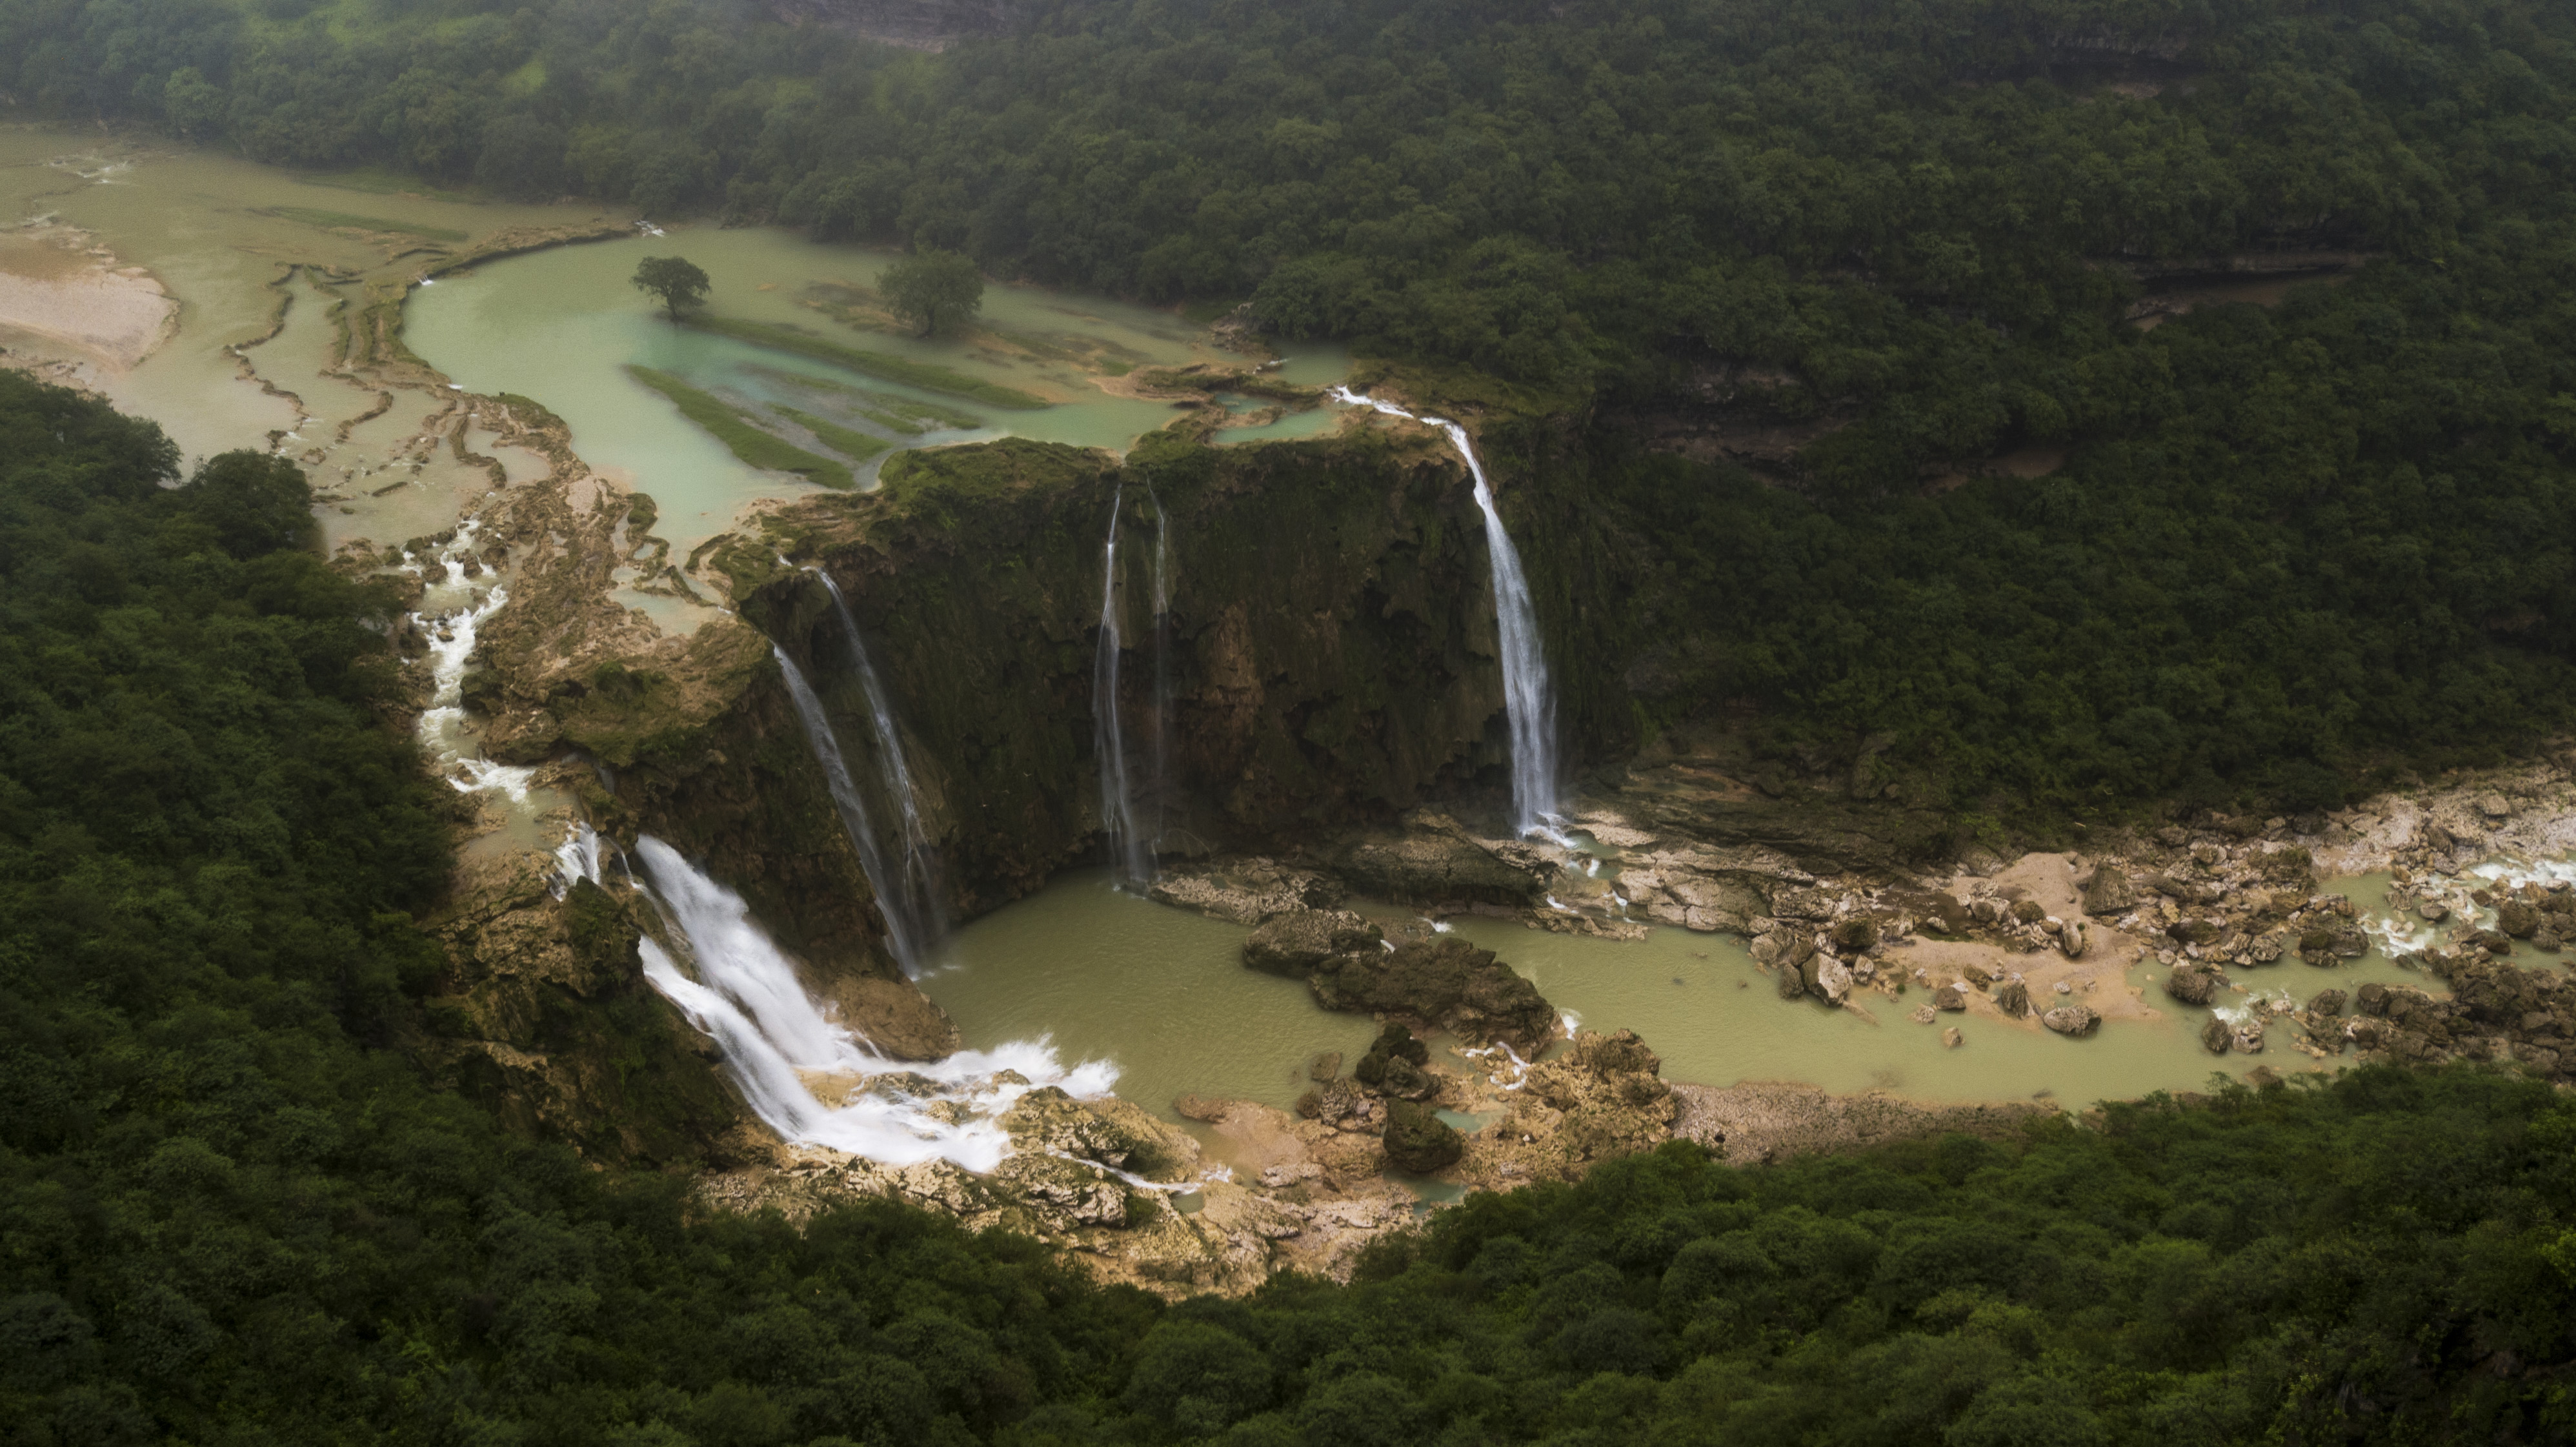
{"x":1328,"y":655}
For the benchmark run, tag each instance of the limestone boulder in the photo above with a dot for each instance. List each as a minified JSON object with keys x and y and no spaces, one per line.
{"x":2071,"y":1019}
{"x":2109,"y":891}
{"x":2194,"y":984}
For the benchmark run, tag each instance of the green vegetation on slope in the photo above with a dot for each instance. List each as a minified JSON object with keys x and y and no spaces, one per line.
{"x":928,"y":376}
{"x":848,"y":441}
{"x":728,"y":425}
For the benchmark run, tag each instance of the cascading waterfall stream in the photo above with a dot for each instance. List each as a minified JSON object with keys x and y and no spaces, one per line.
{"x":920,"y":867}
{"x":1528,"y":701}
{"x":854,"y":812}
{"x":1130,"y":852}
{"x":746,"y":995}
{"x":451,"y":646}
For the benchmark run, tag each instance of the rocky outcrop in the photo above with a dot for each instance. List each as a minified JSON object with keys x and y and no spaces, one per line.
{"x":1438,"y":870}
{"x":1247,"y":890}
{"x":1441,"y":982}
{"x":1299,"y":943}
{"x":2495,"y":1011}
{"x":1418,"y":1140}
{"x":542,"y":1014}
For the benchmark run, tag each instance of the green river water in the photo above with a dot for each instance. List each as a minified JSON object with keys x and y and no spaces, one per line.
{"x":1163,"y":994}
{"x":562,"y":326}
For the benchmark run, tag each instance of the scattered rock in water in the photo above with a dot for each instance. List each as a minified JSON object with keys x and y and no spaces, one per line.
{"x":2216,"y":1036}
{"x":2194,"y":984}
{"x":1418,"y":1140}
{"x":1325,"y":1066}
{"x":1394,"y":1065}
{"x":2071,"y":1019}
{"x":2517,"y":919}
{"x":2013,"y":999}
{"x":1952,"y":1039}
{"x":1924,"y":1015}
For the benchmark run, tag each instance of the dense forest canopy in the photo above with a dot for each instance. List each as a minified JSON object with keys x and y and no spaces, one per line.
{"x":226,"y":1215}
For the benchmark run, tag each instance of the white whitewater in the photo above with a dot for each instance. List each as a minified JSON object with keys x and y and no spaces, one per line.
{"x":1529,"y":702}
{"x":854,"y":811}
{"x":451,"y":646}
{"x":921,"y":897}
{"x":747,"y":997}
{"x":1131,"y":854}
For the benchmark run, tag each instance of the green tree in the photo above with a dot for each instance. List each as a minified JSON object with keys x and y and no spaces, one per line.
{"x":935,"y":288}
{"x":675,"y":280}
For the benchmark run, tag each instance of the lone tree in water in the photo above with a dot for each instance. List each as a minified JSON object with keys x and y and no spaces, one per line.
{"x":674,"y":280}
{"x":934,"y":288}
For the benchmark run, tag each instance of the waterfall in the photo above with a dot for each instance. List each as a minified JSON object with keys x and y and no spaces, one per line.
{"x":854,"y":811}
{"x":747,"y":997}
{"x":1528,"y":701}
{"x":1130,"y":853}
{"x":920,"y":866}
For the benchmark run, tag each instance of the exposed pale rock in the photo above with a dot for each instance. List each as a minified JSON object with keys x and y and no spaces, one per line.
{"x":2071,"y":1019}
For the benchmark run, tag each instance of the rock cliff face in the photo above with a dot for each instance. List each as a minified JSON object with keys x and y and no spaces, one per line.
{"x":1328,"y":655}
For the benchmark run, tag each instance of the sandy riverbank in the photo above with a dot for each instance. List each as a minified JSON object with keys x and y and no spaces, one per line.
{"x":67,"y":306}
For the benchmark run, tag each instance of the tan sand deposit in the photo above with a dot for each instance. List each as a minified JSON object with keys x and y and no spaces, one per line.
{"x":63,"y":301}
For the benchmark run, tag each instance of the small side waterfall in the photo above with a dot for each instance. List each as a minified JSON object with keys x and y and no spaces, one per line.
{"x":854,"y":813}
{"x":1131,"y":853}
{"x":747,"y":997}
{"x":451,"y":646}
{"x":1528,"y":700}
{"x":920,"y":865}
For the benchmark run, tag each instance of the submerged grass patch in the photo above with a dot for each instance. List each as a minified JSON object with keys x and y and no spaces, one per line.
{"x":849,"y":442}
{"x":895,"y":414}
{"x":928,"y":376}
{"x":349,"y":221}
{"x":729,"y":426}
